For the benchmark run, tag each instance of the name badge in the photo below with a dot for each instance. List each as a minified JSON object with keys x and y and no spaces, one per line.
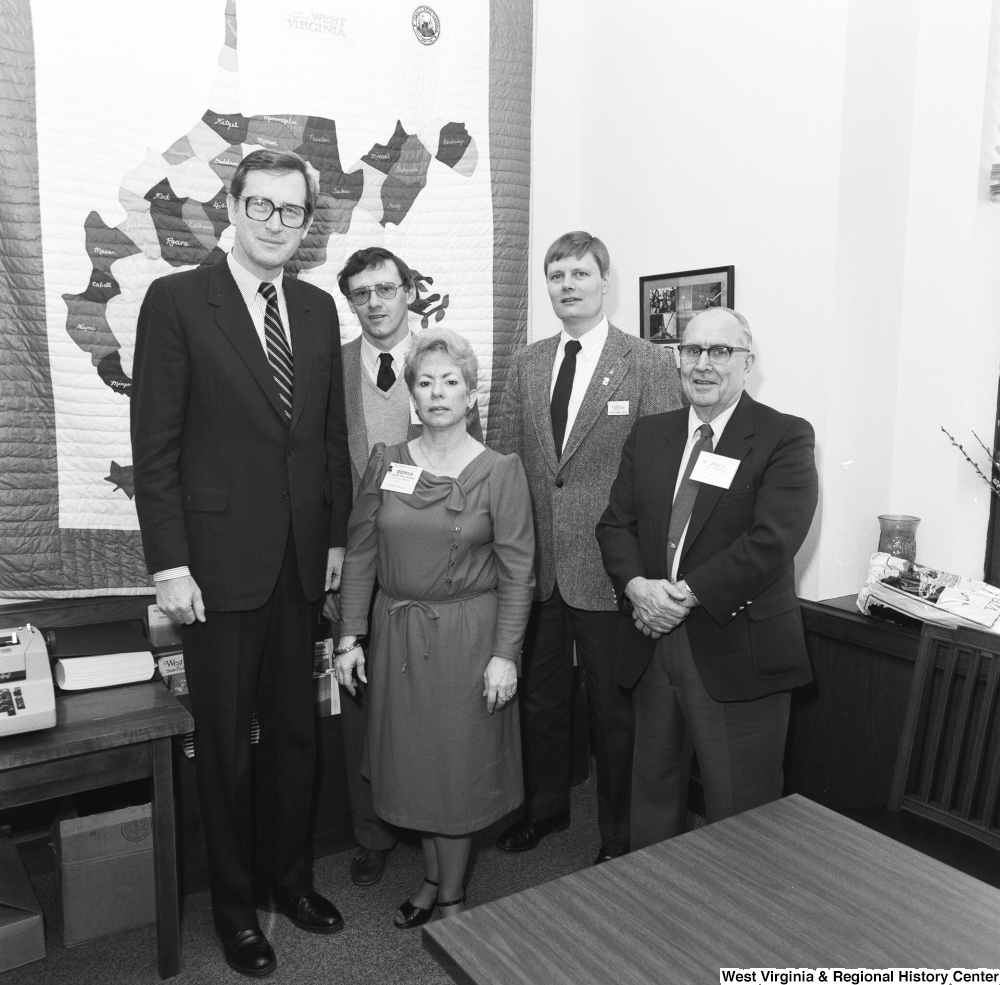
{"x":716,"y":470}
{"x":401,"y":478}
{"x":414,"y":419}
{"x":617,"y":408}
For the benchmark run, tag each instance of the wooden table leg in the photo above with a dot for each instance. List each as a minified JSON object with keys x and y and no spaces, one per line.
{"x":168,"y":929}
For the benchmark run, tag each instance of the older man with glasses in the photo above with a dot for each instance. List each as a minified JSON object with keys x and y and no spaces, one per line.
{"x":710,"y":578}
{"x":379,"y":288}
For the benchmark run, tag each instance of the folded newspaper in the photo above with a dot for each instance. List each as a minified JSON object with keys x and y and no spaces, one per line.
{"x":930,"y":595}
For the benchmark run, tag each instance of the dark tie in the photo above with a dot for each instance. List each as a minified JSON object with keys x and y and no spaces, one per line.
{"x":386,"y":377}
{"x":687,"y":492}
{"x":559,"y":407}
{"x":279,"y":355}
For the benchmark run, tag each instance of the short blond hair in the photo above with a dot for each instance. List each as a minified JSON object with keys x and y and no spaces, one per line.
{"x":453,"y":345}
{"x":578,"y":244}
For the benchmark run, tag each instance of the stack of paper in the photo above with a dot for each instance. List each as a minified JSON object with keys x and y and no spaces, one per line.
{"x":930,"y":595}
{"x":106,"y":670}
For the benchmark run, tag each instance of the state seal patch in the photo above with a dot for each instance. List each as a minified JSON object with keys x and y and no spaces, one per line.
{"x":426,"y":25}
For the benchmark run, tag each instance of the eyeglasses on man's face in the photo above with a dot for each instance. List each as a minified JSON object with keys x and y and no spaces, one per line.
{"x":360,"y":295}
{"x":719,"y":354}
{"x":261,"y":209}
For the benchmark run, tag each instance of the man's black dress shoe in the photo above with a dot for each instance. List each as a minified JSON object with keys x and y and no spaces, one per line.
{"x":311,"y":912}
{"x":606,"y":855}
{"x":368,"y":865}
{"x":249,"y":953}
{"x":529,"y":831}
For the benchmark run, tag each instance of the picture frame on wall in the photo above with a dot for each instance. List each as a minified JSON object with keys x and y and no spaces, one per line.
{"x":667,"y":302}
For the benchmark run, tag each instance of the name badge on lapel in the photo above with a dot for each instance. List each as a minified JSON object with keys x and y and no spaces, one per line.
{"x":617,"y":408}
{"x":716,"y":470}
{"x":401,"y":478}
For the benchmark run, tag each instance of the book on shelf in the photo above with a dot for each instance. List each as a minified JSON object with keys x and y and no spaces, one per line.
{"x":103,"y":670}
{"x":99,"y":655}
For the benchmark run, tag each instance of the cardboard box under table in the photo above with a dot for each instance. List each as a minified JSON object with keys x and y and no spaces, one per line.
{"x":103,"y":738}
{"x":22,"y":934}
{"x":104,"y":870}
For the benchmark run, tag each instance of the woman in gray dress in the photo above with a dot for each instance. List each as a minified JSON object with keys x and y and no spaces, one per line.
{"x":445,"y":525}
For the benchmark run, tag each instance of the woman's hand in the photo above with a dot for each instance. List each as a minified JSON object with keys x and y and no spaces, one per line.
{"x":345,"y":665}
{"x":500,"y":677}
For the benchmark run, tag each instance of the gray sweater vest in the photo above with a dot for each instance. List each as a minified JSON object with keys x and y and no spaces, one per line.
{"x":387,"y":414}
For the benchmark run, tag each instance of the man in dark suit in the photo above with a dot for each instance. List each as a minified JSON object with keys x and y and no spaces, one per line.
{"x":243,"y":489}
{"x":711,"y":582}
{"x":569,"y":404}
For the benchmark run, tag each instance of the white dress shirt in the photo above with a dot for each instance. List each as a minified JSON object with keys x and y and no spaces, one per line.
{"x":370,"y":356}
{"x":592,"y":345}
{"x":695,"y":422}
{"x":249,"y":286}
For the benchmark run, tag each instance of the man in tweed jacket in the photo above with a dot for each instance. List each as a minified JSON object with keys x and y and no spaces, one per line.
{"x":570,"y":403}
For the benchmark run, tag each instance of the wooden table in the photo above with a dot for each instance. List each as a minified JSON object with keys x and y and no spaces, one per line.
{"x":789,"y":885}
{"x":101,"y":738}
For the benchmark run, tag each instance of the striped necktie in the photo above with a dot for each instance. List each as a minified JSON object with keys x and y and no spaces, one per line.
{"x":687,"y":492}
{"x":279,"y":355}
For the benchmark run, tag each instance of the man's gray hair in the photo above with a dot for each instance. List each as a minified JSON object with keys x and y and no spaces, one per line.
{"x":745,"y":325}
{"x":747,"y":339}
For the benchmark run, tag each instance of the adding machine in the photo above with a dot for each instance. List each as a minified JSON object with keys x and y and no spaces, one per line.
{"x":27,"y":700}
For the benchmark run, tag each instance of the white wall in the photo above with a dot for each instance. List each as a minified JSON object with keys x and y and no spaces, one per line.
{"x":838,"y":154}
{"x":949,"y":300}
{"x":559,"y":141}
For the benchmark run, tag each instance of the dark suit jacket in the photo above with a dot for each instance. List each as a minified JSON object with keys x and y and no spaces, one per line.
{"x":219,"y":471}
{"x":569,"y":493}
{"x":738,"y":556}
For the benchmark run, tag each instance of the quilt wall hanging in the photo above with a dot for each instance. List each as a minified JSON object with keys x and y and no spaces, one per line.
{"x":120,"y":127}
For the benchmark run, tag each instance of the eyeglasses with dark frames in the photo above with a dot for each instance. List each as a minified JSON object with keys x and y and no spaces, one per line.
{"x":719,"y":354}
{"x":261,"y":209}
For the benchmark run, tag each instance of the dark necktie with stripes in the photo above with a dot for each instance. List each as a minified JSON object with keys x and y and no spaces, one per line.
{"x":279,"y":354}
{"x":687,"y":492}
{"x":559,"y":408}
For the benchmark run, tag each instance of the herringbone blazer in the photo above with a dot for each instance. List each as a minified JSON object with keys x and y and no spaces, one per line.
{"x":357,"y":429}
{"x":570,"y":494}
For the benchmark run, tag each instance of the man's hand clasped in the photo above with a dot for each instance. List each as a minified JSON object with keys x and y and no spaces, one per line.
{"x":659,"y":605}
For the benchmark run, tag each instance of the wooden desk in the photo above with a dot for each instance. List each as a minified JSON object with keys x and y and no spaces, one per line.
{"x":101,"y":738}
{"x":789,"y":885}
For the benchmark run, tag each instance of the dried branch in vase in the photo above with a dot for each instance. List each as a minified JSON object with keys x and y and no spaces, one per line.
{"x":991,"y":480}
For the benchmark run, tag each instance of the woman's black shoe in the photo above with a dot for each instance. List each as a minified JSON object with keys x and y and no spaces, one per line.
{"x":454,"y":902}
{"x":409,"y":916}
